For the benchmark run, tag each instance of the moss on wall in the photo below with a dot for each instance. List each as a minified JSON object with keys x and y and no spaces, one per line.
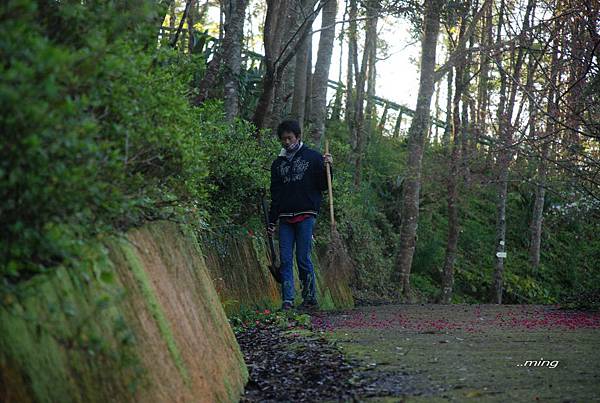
{"x":137,"y":321}
{"x":141,"y":319}
{"x":238,"y":266}
{"x":61,"y":335}
{"x":156,"y":310}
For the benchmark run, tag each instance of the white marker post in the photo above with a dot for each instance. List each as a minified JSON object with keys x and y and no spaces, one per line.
{"x":501,"y":255}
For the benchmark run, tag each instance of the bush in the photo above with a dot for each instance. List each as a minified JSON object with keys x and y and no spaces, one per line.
{"x":95,"y":132}
{"x":239,"y":166}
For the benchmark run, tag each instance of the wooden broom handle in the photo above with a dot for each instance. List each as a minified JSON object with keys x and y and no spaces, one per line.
{"x":329,"y":187}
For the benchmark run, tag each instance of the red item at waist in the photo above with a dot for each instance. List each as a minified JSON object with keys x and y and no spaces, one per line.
{"x":297,"y":218}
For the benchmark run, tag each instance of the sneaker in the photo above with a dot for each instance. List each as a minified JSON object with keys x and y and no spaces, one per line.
{"x":287,"y":306}
{"x":308,"y":306}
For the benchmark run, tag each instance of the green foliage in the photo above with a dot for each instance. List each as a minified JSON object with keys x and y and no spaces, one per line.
{"x":369,"y":220}
{"x":239,"y":165}
{"x":587,"y":299}
{"x":97,"y":131}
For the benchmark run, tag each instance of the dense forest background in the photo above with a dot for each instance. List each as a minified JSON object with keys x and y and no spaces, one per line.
{"x":485,"y":189}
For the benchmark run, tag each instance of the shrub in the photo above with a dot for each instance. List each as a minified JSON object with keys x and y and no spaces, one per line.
{"x":95,"y":132}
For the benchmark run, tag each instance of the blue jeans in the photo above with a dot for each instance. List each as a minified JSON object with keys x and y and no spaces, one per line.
{"x":301,"y":234}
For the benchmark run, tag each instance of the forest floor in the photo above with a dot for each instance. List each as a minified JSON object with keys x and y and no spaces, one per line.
{"x":429,"y":353}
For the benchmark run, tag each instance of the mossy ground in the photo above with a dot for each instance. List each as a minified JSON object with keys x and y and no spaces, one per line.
{"x":472,"y":352}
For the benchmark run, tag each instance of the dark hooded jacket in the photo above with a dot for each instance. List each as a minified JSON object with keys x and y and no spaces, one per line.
{"x":297,"y":184}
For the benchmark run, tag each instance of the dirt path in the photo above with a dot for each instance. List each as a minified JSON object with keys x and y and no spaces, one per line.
{"x":470,"y":352}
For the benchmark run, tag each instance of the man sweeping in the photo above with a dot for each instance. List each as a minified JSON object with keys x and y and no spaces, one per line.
{"x":298,"y":178}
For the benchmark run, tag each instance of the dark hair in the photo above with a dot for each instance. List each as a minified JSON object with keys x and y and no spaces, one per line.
{"x":289,"y":126}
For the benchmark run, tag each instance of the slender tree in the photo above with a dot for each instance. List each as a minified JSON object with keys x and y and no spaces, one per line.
{"x":309,"y":73}
{"x":318,"y":109}
{"x":339,"y":94}
{"x":457,"y":127}
{"x":278,"y":52}
{"x":191,"y":20}
{"x":300,"y":76}
{"x":358,"y":126}
{"x":416,"y":137}
{"x":483,"y":76}
{"x":172,"y":14}
{"x":506,"y":127}
{"x":371,"y":112}
{"x":235,"y":13}
{"x":542,"y":164}
{"x":352,"y":63}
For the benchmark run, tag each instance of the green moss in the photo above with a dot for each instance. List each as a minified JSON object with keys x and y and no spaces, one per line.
{"x":156,"y":310}
{"x":32,"y":348}
{"x":62,"y":334}
{"x":216,"y":311}
{"x":331,"y":296}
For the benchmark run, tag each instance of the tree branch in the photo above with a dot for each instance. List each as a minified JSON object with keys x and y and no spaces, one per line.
{"x":180,"y":28}
{"x":455,"y":56}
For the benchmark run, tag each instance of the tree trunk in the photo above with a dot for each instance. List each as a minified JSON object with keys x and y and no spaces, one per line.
{"x":309,"y":72}
{"x":191,"y":20}
{"x":318,"y":110}
{"x":383,"y":120}
{"x":452,"y":199}
{"x":501,"y":176}
{"x":482,"y":85}
{"x":416,"y":136}
{"x":282,"y":91}
{"x":273,"y":36}
{"x":182,"y":21}
{"x":538,"y":210}
{"x":359,"y":133}
{"x":232,"y":55}
{"x":371,"y":114}
{"x":300,"y":76}
{"x":299,"y":96}
{"x":172,"y":15}
{"x":505,"y":130}
{"x":163,"y":8}
{"x":211,"y":74}
{"x":279,"y":53}
{"x":540,"y":187}
{"x":466,"y":124}
{"x":286,"y":88}
{"x":351,"y":71}
{"x":458,"y":128}
{"x":398,"y":124}
{"x":448,"y":128}
{"x":577,"y":81}
{"x":339,"y":93}
{"x":436,"y":107}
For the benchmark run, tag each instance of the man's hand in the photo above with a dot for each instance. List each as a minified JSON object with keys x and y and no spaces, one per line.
{"x":328,"y":159}
{"x":271,"y":229}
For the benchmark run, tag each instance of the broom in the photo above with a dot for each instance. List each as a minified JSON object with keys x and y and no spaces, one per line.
{"x":337,"y":261}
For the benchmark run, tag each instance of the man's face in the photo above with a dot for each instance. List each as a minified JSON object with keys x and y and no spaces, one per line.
{"x":288,"y":140}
